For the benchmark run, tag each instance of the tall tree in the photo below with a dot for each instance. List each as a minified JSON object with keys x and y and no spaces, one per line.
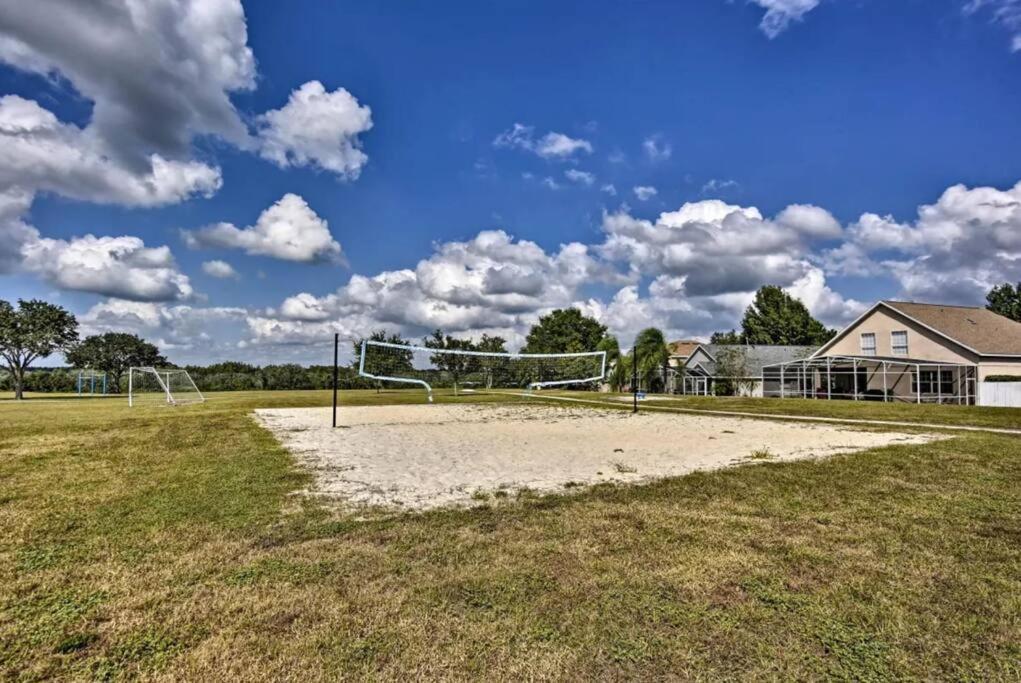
{"x":616,"y":368}
{"x":34,"y":330}
{"x":565,"y":330}
{"x":455,"y":365}
{"x":653,"y":358}
{"x":114,"y":353}
{"x":491,"y":366}
{"x":401,"y":361}
{"x":730,"y":338}
{"x":775,"y":317}
{"x":1005,"y":299}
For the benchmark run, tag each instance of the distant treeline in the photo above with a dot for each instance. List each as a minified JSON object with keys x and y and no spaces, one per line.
{"x":219,"y":377}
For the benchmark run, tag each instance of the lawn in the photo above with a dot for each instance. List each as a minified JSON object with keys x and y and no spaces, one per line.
{"x":160,"y":542}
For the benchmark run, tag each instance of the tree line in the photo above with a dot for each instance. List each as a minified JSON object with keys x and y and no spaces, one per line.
{"x":35,"y":330}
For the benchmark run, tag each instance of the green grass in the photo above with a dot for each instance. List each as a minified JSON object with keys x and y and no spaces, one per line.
{"x":160,"y":542}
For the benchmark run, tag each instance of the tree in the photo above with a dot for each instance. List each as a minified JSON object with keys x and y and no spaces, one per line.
{"x":489,"y":366}
{"x":1005,"y":299}
{"x":730,"y":338}
{"x":114,"y":353}
{"x":732,"y":372}
{"x":456,"y":365}
{"x":401,"y":361}
{"x":34,"y":330}
{"x":616,"y":366}
{"x":653,"y":358}
{"x":775,"y":317}
{"x":564,"y":330}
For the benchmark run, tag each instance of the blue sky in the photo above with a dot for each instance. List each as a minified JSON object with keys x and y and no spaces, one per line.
{"x":472,"y":165}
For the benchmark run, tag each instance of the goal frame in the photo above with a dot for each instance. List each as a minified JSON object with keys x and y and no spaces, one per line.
{"x":485,"y":354}
{"x":168,"y":394}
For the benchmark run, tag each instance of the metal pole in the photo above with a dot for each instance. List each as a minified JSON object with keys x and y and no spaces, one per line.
{"x":634,"y":378}
{"x":939,"y":384}
{"x":886,"y":390}
{"x":829,"y":378}
{"x":131,"y":396}
{"x":782,"y":392}
{"x":336,"y":345}
{"x":854,"y":370}
{"x":918,"y":383}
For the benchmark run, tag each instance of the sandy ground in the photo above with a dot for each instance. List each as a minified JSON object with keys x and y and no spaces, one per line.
{"x":423,"y":456}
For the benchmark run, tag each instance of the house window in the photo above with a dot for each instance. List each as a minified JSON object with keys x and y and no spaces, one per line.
{"x":868,"y":344}
{"x":899,"y":342}
{"x":930,"y":384}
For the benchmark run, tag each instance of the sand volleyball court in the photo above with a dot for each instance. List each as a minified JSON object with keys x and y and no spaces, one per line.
{"x":423,"y":456}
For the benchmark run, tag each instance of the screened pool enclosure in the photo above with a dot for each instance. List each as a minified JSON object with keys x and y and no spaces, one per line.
{"x":871,"y":378}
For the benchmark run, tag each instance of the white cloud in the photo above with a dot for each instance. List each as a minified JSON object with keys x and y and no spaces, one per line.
{"x":219,"y":269}
{"x":289,"y":230}
{"x":158,"y":73}
{"x":552,"y":145}
{"x":781,"y":13}
{"x":121,"y":267}
{"x":580,"y":177}
{"x":717,"y":185}
{"x":1005,"y":12}
{"x":955,"y":250}
{"x":644,"y":192}
{"x":656,"y":149}
{"x":317,"y":128}
{"x":201,"y":334}
{"x":550,"y":183}
{"x":37,"y":152}
{"x":610,"y":189}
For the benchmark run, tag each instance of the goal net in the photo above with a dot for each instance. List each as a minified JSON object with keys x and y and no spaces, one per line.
{"x":472,"y":371}
{"x":161,"y":386}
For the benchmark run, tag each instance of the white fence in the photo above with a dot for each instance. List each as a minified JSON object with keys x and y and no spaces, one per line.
{"x":1001,"y":394}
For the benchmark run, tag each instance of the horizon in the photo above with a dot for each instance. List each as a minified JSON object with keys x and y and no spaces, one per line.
{"x":232,"y":197}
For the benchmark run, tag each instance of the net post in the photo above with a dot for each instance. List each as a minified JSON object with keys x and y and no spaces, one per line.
{"x":336,"y":344}
{"x":131,"y":393}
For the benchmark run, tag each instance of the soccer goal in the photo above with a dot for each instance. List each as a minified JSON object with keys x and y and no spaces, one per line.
{"x":161,"y":386}
{"x":475,"y":371}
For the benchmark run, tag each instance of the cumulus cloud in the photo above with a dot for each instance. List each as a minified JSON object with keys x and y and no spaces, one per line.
{"x":38,"y":152}
{"x":219,"y":269}
{"x":120,"y":267}
{"x":644,"y":192}
{"x":289,"y":230}
{"x":580,"y":177}
{"x":157,"y":73}
{"x":954,"y":251}
{"x":202,"y":334}
{"x":552,"y":145}
{"x":317,"y":128}
{"x":610,"y":189}
{"x":781,"y":13}
{"x":656,"y":149}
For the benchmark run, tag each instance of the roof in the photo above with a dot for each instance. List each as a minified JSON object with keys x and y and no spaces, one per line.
{"x":684,"y":347}
{"x":978,"y":329}
{"x":758,"y":355}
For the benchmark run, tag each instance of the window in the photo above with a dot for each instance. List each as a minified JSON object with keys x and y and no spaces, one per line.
{"x":868,"y":344}
{"x":931,"y":385}
{"x":899,"y":342}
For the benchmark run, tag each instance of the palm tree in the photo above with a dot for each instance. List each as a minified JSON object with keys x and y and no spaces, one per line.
{"x":653,"y":356}
{"x":617,"y":367}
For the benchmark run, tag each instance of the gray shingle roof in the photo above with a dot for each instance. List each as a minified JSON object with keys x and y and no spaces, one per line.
{"x":758,"y":355}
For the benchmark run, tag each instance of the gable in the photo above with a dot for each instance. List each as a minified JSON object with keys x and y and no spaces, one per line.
{"x":882,"y":321}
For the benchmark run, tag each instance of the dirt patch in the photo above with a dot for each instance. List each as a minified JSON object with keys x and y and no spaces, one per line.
{"x":424,"y":456}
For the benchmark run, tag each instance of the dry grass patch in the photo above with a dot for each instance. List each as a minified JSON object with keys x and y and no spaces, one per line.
{"x":179,"y":551}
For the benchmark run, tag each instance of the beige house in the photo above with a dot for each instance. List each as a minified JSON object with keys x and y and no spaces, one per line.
{"x":902,"y":351}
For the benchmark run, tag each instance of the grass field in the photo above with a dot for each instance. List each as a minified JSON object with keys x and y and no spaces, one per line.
{"x":160,"y":542}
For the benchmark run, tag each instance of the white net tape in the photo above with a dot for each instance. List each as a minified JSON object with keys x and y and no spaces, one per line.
{"x":472,"y":371}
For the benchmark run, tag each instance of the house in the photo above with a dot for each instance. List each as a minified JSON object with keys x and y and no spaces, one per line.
{"x":906,"y":351}
{"x":702,"y":369}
